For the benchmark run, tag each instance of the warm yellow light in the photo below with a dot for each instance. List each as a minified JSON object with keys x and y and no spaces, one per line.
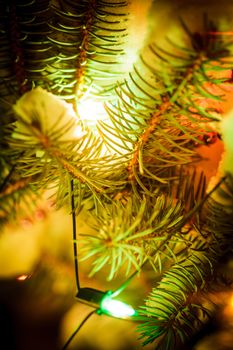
{"x":78,"y":132}
{"x":92,"y":110}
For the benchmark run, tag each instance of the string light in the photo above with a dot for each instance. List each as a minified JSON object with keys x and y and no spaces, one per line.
{"x":102,"y":302}
{"x":105,"y":304}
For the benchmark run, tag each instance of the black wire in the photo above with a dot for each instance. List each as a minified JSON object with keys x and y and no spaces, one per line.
{"x":78,"y":329}
{"x":75,"y":246}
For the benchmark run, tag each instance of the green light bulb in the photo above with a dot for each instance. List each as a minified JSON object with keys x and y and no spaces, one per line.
{"x":116,"y":308}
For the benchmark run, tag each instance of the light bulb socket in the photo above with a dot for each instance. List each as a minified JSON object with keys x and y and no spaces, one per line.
{"x":90,"y":296}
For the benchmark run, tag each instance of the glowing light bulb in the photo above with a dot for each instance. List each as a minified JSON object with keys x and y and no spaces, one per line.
{"x":78,"y":132}
{"x":105,"y":303}
{"x":91,"y":111}
{"x":116,"y":308}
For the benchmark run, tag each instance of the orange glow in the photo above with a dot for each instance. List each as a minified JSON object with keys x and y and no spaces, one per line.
{"x":231,"y":302}
{"x":22,"y":277}
{"x":220,"y":33}
{"x":228,"y":310}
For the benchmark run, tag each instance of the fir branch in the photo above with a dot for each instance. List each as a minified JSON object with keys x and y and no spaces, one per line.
{"x":171,"y":305}
{"x":162,"y":118}
{"x":20,"y":73}
{"x":46,"y":160}
{"x":16,"y":200}
{"x":89,"y":47}
{"x":176,"y":305}
{"x":51,"y":151}
{"x":128,"y":240}
{"x":30,"y":53}
{"x":142,"y":207}
{"x":153,"y":234}
{"x":153,"y":123}
{"x":7,"y":87}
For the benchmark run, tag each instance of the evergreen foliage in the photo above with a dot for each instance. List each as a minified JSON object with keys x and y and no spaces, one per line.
{"x":133,"y":173}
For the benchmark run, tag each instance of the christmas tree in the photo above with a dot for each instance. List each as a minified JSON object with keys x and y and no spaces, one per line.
{"x":111,"y":122}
